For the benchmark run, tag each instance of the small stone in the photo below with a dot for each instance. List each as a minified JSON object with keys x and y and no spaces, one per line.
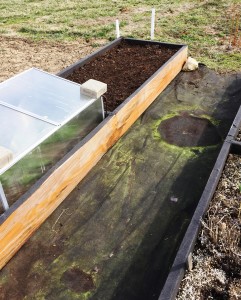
{"x":229,"y":47}
{"x":174,"y":199}
{"x":96,"y":269}
{"x":190,"y":65}
{"x":223,"y":226}
{"x":190,"y":262}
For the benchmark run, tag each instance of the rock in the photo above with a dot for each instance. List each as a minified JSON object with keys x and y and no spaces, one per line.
{"x":190,"y":65}
{"x":174,"y":199}
{"x":190,"y":262}
{"x":93,"y":88}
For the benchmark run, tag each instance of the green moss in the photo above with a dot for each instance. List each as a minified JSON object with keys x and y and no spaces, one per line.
{"x":3,"y":279}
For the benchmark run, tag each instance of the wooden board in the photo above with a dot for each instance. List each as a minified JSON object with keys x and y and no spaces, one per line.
{"x":46,"y":196}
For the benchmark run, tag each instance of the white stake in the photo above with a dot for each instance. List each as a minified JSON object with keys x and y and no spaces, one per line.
{"x":152,"y":23}
{"x":117,"y":27}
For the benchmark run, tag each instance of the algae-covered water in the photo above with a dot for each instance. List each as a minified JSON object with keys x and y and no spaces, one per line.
{"x":116,"y":235}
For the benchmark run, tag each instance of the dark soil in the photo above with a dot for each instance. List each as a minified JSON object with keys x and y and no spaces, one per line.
{"x":124,"y":68}
{"x":214,"y":293}
{"x":238,"y":138}
{"x":189,"y":131}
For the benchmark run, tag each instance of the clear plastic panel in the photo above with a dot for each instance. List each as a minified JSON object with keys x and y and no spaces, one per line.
{"x":18,"y":131}
{"x":24,"y":173}
{"x":47,"y":96}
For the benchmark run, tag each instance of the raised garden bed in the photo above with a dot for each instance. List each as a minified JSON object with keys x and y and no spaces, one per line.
{"x":28,"y":213}
{"x":124,"y":68}
{"x":216,"y":256}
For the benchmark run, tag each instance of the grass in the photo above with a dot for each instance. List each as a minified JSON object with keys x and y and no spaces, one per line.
{"x":206,"y":26}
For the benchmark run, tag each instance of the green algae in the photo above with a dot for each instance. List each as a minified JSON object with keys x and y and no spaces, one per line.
{"x":3,"y":279}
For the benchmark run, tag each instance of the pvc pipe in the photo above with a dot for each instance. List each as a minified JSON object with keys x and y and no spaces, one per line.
{"x":152,"y":23}
{"x":117,"y":27}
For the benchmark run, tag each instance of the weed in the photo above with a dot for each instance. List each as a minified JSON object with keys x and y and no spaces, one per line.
{"x":234,"y":27}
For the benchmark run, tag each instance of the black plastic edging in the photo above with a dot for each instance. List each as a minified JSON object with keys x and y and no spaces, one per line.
{"x":148,"y":42}
{"x":179,"y":266}
{"x":234,"y":129}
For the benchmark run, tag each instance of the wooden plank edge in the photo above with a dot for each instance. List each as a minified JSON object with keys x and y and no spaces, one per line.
{"x":25,"y":220}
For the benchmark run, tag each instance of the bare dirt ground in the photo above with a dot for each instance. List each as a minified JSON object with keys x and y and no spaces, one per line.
{"x":17,"y":55}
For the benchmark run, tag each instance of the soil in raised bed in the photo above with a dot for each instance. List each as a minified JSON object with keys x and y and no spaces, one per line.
{"x":238,"y":138}
{"x":124,"y":68}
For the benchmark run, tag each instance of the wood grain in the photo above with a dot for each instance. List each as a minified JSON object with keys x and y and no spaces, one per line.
{"x":21,"y":224}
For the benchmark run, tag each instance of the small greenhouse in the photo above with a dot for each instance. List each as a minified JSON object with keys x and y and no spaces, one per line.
{"x":42,"y":117}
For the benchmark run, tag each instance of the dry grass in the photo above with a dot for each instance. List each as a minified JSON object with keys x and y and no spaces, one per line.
{"x":234,"y":15}
{"x":17,"y":55}
{"x":203,"y":25}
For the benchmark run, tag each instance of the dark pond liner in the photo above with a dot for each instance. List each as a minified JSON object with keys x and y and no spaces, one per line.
{"x":177,"y":271}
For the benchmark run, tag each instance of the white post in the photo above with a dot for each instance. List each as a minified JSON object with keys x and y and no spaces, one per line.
{"x":152,"y":23}
{"x":117,"y":27}
{"x":3,"y":198}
